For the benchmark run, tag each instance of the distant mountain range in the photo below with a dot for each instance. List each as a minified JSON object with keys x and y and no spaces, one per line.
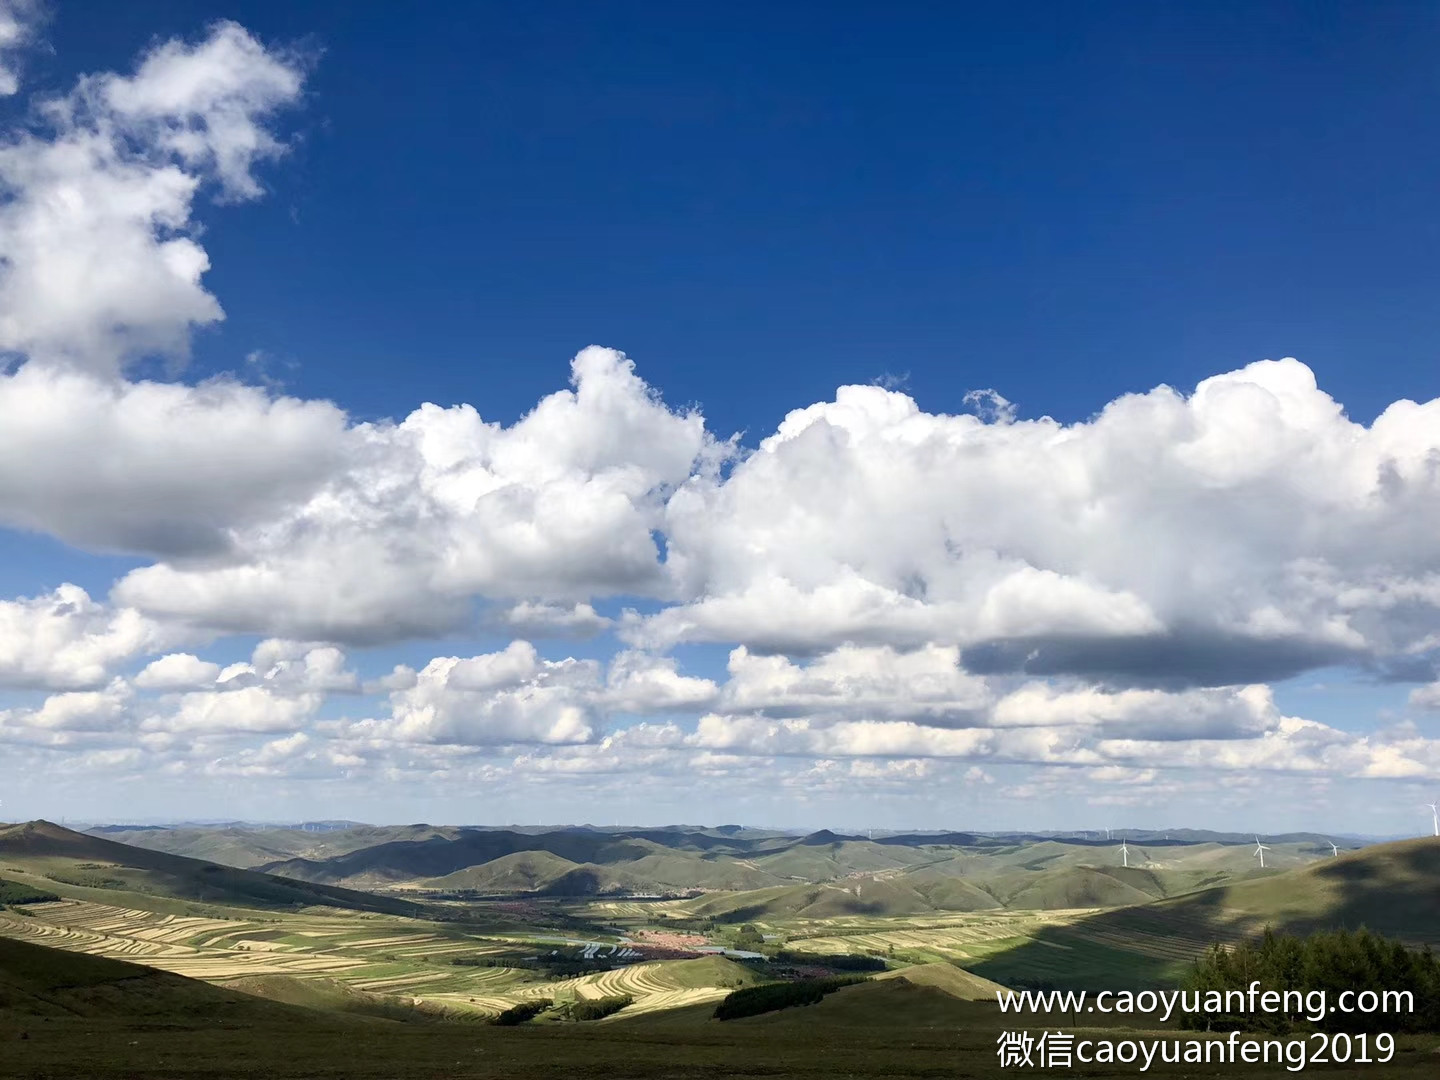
{"x":759,"y":870}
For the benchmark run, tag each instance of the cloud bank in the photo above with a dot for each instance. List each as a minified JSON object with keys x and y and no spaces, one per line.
{"x":895,"y":587}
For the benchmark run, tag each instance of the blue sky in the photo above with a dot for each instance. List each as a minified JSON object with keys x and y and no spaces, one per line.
{"x":760,"y":203}
{"x":1064,"y":204}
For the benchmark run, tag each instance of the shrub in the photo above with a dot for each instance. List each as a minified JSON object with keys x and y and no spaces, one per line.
{"x":749,"y":937}
{"x":92,"y":881}
{"x":597,"y":1008}
{"x":838,"y":961}
{"x":768,"y":997}
{"x":16,"y":892}
{"x":519,"y":1014}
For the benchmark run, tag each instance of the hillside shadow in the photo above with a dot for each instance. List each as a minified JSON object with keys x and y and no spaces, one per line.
{"x":1392,"y":889}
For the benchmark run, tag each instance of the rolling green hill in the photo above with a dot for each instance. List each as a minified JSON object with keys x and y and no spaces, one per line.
{"x":1393,"y":889}
{"x":520,"y":871}
{"x":1068,"y":887}
{"x":901,"y":873}
{"x":44,"y":855}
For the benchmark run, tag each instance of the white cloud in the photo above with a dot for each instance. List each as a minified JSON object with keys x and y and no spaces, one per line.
{"x":553,"y":620}
{"x":444,"y":507}
{"x":75,"y":711}
{"x":203,"y":104}
{"x":512,"y":696}
{"x":641,"y":683}
{"x":1244,"y":533}
{"x":301,"y":667}
{"x":245,"y":710}
{"x":177,"y":671}
{"x":926,"y":684}
{"x":100,"y":263}
{"x":1223,"y":713}
{"x":157,"y":468}
{"x":66,"y":640}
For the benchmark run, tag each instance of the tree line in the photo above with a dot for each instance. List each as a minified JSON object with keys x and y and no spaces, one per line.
{"x":767,"y":997}
{"x":17,"y":892}
{"x":1306,"y":971}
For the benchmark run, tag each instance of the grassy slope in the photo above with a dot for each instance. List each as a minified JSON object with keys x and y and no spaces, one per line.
{"x":1071,"y":887}
{"x":955,"y":981}
{"x":83,"y":864}
{"x":333,"y":996}
{"x":1391,"y":888}
{"x":520,"y":871}
{"x":890,"y":1028}
{"x":36,"y":981}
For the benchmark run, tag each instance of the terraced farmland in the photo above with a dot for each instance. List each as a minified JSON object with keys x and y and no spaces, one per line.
{"x":377,"y":955}
{"x":662,"y":984}
{"x":956,"y":937}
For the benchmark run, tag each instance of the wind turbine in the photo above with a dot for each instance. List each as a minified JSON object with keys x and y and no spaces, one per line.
{"x":1334,"y":849}
{"x":1124,"y":852}
{"x":1260,"y":850}
{"x":1435,"y":815}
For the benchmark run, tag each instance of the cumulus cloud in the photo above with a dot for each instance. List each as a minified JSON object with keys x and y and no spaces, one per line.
{"x":67,"y":713}
{"x":513,"y":696}
{"x":444,"y":507}
{"x":279,"y":689}
{"x":641,"y":683}
{"x":1243,"y":533}
{"x":177,"y":671}
{"x":66,"y":640}
{"x":100,"y":261}
{"x":303,"y":667}
{"x":230,"y":711}
{"x":926,"y":684}
{"x":157,"y":468}
{"x":1135,"y":548}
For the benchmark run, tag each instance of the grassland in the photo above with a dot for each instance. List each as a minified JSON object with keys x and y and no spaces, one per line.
{"x":44,"y":855}
{"x":343,"y":952}
{"x":891,"y":1029}
{"x":328,"y":990}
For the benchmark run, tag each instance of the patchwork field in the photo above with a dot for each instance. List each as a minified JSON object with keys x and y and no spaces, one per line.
{"x":376,"y":955}
{"x":486,"y":955}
